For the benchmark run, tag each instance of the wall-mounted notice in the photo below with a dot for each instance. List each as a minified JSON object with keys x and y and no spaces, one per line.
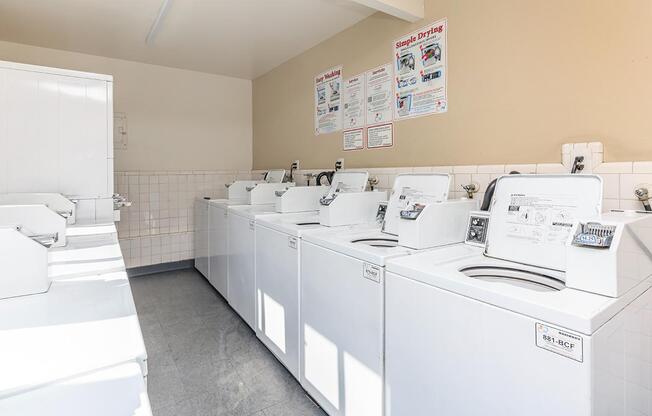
{"x":421,"y":72}
{"x":380,"y":136}
{"x":328,"y":99}
{"x":353,"y":101}
{"x":353,"y":139}
{"x":380,"y":95}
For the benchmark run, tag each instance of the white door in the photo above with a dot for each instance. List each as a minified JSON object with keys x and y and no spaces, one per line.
{"x":449,"y":355}
{"x":241,"y":287}
{"x":217,"y":218}
{"x":115,"y":391}
{"x":201,"y":237}
{"x":277,"y":295}
{"x":341,"y":332}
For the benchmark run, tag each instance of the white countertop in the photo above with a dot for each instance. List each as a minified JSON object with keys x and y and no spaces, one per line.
{"x":87,"y":321}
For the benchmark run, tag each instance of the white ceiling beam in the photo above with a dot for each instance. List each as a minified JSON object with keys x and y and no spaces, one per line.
{"x":410,"y":10}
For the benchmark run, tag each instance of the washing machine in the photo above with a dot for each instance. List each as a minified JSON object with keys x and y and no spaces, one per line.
{"x":211,"y":232}
{"x":342,"y":298}
{"x":277,"y":262}
{"x":113,"y":391}
{"x":208,"y":243}
{"x":241,"y":258}
{"x":551,"y":317}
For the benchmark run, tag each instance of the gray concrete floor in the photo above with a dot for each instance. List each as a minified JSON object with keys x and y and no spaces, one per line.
{"x":203,"y":359}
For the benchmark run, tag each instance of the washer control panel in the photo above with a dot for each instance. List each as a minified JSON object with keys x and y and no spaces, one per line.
{"x":476,"y":231}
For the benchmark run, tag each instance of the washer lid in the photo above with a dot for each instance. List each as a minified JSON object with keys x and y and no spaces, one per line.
{"x":414,"y":188}
{"x":348,"y":182}
{"x":532,"y":216}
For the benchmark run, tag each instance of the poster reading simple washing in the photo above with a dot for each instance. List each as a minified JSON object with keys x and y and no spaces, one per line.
{"x":353,"y":101}
{"x":421,"y":72}
{"x":380,"y":96}
{"x":328,"y":101}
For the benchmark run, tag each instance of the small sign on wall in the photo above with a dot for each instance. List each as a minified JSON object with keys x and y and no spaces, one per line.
{"x":120,"y":131}
{"x":353,"y":139}
{"x":380,"y":136}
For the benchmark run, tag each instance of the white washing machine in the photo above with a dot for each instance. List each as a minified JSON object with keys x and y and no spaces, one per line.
{"x":342,"y":291}
{"x":277,"y":264}
{"x":204,"y":230}
{"x":242,"y":259}
{"x":218,"y":215}
{"x":85,"y":322}
{"x":114,"y":391}
{"x":519,"y":329}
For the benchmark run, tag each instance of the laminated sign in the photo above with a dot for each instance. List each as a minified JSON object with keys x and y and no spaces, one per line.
{"x":420,"y":80}
{"x":328,"y":101}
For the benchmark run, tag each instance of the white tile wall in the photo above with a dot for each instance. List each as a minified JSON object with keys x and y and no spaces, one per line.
{"x":158,"y":227}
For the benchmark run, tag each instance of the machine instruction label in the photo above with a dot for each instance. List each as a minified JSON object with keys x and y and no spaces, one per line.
{"x":372,"y":272}
{"x":292,"y":242}
{"x":541,"y":219}
{"x":560,"y":341}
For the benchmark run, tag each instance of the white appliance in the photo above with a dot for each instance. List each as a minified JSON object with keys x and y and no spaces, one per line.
{"x":56,"y":202}
{"x":241,"y":287}
{"x":114,"y":391}
{"x":342,"y":289}
{"x":299,"y":198}
{"x":265,"y":193}
{"x":277,"y":263}
{"x":501,"y":332}
{"x":26,"y":233}
{"x":86,"y":322}
{"x":210,"y":226}
{"x":68,"y":116}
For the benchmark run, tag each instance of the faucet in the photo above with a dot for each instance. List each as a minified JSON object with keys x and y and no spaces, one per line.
{"x":644,"y":196}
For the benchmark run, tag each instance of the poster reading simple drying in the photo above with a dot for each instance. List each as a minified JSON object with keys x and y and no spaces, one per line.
{"x":421,"y":72}
{"x":353,"y":139}
{"x":328,"y":100}
{"x":380,"y":96}
{"x":380,"y":136}
{"x":353,"y":101}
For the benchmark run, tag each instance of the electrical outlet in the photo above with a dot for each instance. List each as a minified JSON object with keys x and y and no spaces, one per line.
{"x":296,"y":163}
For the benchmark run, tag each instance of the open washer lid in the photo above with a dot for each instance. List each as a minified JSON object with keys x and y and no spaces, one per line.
{"x":411,"y":188}
{"x":532,"y":216}
{"x":355,"y":181}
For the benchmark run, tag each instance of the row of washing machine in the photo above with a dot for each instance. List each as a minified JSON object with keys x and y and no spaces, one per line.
{"x":70,"y":339}
{"x":423,"y":305}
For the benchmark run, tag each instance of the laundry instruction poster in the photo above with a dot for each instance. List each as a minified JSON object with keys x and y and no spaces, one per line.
{"x":353,"y":139}
{"x":420,"y":67}
{"x":380,"y":95}
{"x":380,"y":136}
{"x":328,"y":101}
{"x":353,"y":101}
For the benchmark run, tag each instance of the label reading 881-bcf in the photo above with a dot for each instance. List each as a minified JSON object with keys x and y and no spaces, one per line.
{"x":560,"y":341}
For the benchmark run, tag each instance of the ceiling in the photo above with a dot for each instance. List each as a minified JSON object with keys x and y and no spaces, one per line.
{"x":240,"y":38}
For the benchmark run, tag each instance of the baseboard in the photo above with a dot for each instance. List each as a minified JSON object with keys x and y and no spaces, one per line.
{"x":160,"y":268}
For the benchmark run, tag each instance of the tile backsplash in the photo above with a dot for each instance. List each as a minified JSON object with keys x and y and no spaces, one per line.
{"x":158,"y":227}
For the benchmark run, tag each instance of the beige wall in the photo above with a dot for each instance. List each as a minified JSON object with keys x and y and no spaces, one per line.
{"x":177,"y":119}
{"x":524,"y":77}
